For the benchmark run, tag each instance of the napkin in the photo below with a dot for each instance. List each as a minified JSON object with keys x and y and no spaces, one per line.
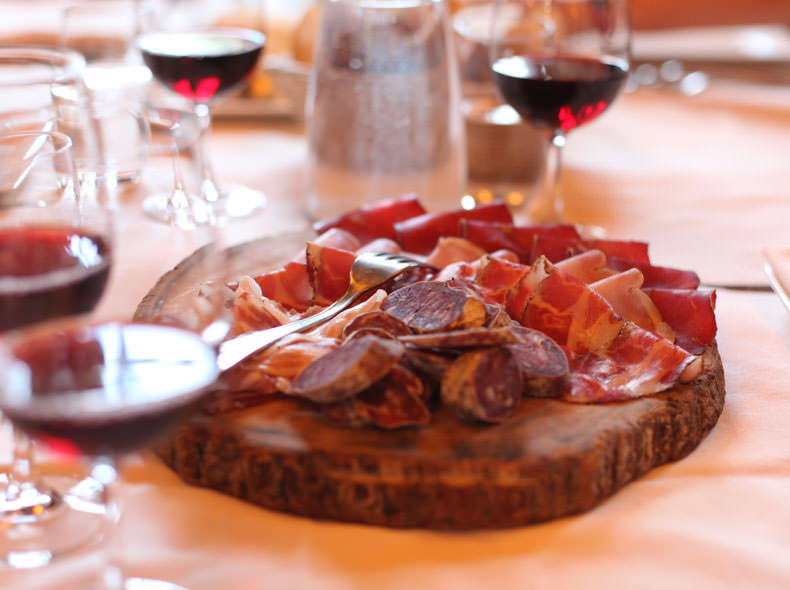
{"x":777,"y":267}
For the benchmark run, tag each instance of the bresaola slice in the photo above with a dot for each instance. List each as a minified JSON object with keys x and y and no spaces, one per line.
{"x":483,"y":385}
{"x":420,"y":234}
{"x":376,"y":220}
{"x":352,"y":367}
{"x":435,"y":307}
{"x":691,"y":314}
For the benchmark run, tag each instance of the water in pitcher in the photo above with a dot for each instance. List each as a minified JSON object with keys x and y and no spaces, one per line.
{"x":383,"y":107}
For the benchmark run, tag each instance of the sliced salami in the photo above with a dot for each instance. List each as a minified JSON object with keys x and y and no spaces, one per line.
{"x":543,"y":364}
{"x":483,"y":385}
{"x":380,"y":320}
{"x":396,"y":401}
{"x":435,"y":307}
{"x":352,"y":367}
{"x":429,"y":364}
{"x":471,"y":338}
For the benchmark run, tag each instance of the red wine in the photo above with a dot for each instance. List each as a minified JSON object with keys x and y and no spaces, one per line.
{"x":559,"y":92}
{"x":84,"y":393}
{"x":199,"y":66}
{"x":48,"y":272}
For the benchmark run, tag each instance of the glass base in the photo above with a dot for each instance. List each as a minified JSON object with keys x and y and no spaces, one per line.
{"x":236,"y":201}
{"x":70,"y":517}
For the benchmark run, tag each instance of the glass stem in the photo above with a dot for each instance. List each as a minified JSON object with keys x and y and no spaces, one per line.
{"x":105,"y":472}
{"x":208,"y":185}
{"x":548,"y":206}
{"x":23,"y":465}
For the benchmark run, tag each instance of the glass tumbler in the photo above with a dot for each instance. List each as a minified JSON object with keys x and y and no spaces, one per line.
{"x":383,"y":106}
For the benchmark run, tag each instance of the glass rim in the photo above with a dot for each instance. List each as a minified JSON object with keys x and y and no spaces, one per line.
{"x":259,"y":36}
{"x":60,"y":141}
{"x":71,"y":62}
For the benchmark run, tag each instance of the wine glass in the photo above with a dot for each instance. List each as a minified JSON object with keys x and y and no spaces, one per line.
{"x":55,"y":258}
{"x":559,"y":64}
{"x":201,"y":65}
{"x":105,"y":390}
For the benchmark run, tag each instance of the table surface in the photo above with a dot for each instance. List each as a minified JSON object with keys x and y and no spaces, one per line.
{"x":706,"y":181}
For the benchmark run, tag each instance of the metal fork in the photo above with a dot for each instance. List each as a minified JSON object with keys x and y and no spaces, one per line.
{"x":369,"y":270}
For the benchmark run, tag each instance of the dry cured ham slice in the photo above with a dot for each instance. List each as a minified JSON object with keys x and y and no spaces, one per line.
{"x":483,"y":385}
{"x":459,"y":270}
{"x":622,"y":291}
{"x":658,"y":276}
{"x":635,"y":364}
{"x":347,"y":370}
{"x":555,"y":249}
{"x":451,"y":250}
{"x":289,"y":285}
{"x":252,"y":311}
{"x":435,"y":307}
{"x":588,"y":267}
{"x":396,"y":401}
{"x":564,"y":308}
{"x":420,"y":234}
{"x":376,"y":220}
{"x":497,"y":276}
{"x":328,"y":269}
{"x":691,"y":314}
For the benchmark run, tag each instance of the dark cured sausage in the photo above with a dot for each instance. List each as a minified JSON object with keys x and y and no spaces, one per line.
{"x":430,"y":365}
{"x":350,"y":368}
{"x":379,"y":320}
{"x":395,"y":401}
{"x":483,"y":385}
{"x":543,"y":364}
{"x":472,"y":338}
{"x":435,"y":307}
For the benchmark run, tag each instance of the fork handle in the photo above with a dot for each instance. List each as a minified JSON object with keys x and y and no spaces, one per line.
{"x":235,"y":350}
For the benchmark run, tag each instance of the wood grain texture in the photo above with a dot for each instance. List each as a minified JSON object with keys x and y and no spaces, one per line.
{"x":552,"y":459}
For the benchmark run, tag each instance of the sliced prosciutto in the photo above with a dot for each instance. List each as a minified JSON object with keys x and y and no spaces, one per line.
{"x":611,"y":359}
{"x":328,"y":270}
{"x":622,"y":291}
{"x":333,"y":238}
{"x":588,"y":267}
{"x":420,"y":234}
{"x":289,"y":286}
{"x":691,"y":314}
{"x":496,"y":277}
{"x":376,"y":220}
{"x":635,"y":364}
{"x":658,"y":276}
{"x":451,"y":250}
{"x":564,"y":308}
{"x":252,"y":311}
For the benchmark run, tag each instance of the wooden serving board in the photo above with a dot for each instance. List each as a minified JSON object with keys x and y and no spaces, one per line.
{"x":552,"y":459}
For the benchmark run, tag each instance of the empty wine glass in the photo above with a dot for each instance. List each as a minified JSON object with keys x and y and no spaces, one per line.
{"x":559,"y":64}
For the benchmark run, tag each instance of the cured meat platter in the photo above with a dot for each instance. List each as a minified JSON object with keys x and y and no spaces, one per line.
{"x":311,"y":444}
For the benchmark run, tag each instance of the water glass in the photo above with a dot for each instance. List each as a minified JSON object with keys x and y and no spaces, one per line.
{"x":383,"y":106}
